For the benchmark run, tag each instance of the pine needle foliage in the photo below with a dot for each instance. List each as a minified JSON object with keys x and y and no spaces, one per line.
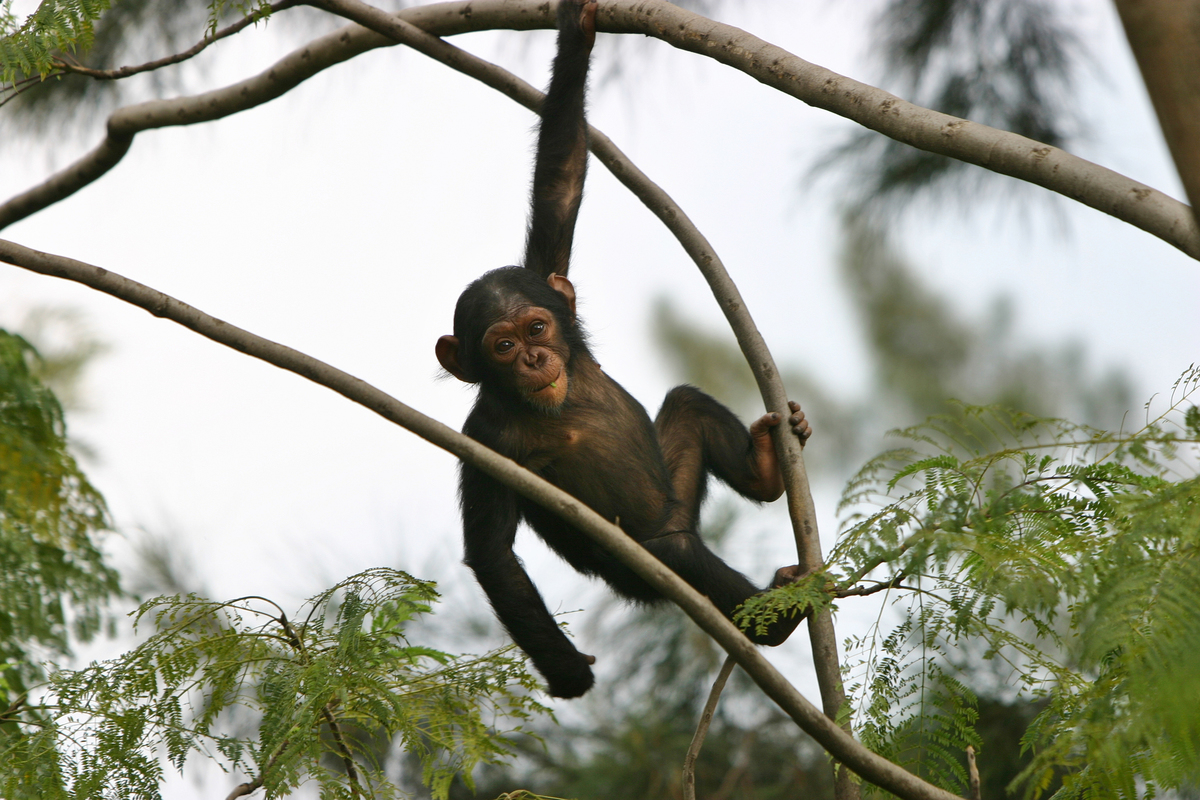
{"x":324,"y":686}
{"x":1067,"y":556}
{"x":54,"y":582}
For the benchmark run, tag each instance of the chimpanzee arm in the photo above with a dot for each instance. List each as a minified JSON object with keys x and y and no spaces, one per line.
{"x":562,"y":144}
{"x":685,"y":553}
{"x":490,"y":519}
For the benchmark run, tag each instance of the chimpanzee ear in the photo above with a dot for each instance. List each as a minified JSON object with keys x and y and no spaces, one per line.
{"x":560,"y":284}
{"x":447,"y":356}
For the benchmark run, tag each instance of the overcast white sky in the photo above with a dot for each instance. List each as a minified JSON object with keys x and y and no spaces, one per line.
{"x":344,"y":219}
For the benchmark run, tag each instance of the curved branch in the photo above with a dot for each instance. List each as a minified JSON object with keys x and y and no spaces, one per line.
{"x":999,"y":151}
{"x":840,"y":744}
{"x":287,"y":73}
{"x":124,"y":72}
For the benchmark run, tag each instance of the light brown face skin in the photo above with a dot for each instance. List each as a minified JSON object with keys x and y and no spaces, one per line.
{"x":526,"y":344}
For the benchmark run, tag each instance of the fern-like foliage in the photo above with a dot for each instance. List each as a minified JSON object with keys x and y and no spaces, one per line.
{"x":57,"y":26}
{"x":54,"y":581}
{"x":1069,"y":557}
{"x":37,"y":45}
{"x":323,"y":685}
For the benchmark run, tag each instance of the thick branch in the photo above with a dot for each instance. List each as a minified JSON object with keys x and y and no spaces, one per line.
{"x":839,"y":744}
{"x":1000,"y":151}
{"x":1165,"y":38}
{"x":993,"y":149}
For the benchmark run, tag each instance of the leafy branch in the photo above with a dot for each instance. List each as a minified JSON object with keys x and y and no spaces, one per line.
{"x":99,"y":730}
{"x":1071,"y":555}
{"x":15,"y":75}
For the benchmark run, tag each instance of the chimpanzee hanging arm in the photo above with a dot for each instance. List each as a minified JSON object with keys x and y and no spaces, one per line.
{"x":545,"y":403}
{"x":561,"y":165}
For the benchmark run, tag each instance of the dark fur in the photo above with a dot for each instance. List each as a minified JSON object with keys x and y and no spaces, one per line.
{"x":598,"y":444}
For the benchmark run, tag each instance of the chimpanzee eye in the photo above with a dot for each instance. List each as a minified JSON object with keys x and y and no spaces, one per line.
{"x":537,"y":328}
{"x":504,"y":345}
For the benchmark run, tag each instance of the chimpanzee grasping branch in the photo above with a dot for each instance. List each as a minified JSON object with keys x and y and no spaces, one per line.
{"x":545,"y":403}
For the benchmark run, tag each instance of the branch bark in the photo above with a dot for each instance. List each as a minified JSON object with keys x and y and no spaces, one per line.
{"x":836,"y":741}
{"x":1165,"y":38}
{"x":1000,"y":151}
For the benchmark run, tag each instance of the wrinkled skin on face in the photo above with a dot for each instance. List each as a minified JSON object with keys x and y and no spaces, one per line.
{"x":526,"y":346}
{"x":516,"y":334}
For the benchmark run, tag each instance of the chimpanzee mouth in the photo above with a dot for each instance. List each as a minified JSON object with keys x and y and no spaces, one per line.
{"x":552,"y":385}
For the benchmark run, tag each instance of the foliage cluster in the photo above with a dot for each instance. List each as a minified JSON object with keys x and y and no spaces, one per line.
{"x":57,"y":26}
{"x":53,"y":578}
{"x":1064,"y":554}
{"x":286,"y":700}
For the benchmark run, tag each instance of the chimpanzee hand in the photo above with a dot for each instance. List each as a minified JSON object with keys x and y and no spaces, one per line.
{"x":568,"y":676}
{"x":779,"y":630}
{"x":578,"y":17}
{"x":786,"y":575}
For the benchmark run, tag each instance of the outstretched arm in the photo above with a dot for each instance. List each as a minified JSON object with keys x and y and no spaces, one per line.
{"x":562,"y":144}
{"x":489,"y":526}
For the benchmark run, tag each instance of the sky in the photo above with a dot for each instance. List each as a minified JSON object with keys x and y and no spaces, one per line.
{"x":344,"y":218}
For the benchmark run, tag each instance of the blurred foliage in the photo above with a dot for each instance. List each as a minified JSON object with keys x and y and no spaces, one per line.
{"x":1005,"y":64}
{"x":320,"y":682}
{"x":65,"y":345}
{"x":54,"y":582}
{"x":925,"y":353}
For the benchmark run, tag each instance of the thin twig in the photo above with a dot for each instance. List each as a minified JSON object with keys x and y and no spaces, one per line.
{"x":343,"y":751}
{"x":863,"y":591}
{"x":243,"y":789}
{"x":125,"y":72}
{"x":710,"y":708}
{"x":973,"y":771}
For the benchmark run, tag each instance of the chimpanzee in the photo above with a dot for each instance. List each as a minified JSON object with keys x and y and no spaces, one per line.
{"x":545,"y":403}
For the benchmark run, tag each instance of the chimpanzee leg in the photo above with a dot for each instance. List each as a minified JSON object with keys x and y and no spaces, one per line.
{"x":699,"y":436}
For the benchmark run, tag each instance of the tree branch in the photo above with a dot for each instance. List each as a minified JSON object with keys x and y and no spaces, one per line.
{"x":1000,"y":151}
{"x":194,"y":50}
{"x":864,"y":591}
{"x":1165,"y":38}
{"x":710,"y":708}
{"x":343,"y":748}
{"x":836,"y":741}
{"x":973,"y":774}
